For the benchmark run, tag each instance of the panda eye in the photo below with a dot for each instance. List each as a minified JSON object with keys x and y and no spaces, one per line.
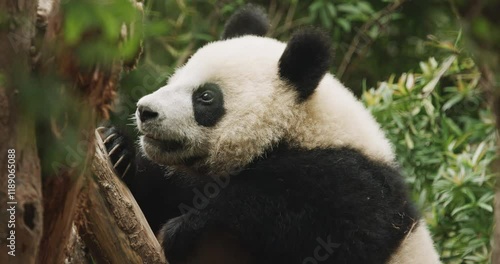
{"x":207,"y":97}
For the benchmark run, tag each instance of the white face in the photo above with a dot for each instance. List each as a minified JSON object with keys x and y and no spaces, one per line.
{"x":245,"y":120}
{"x":173,"y":136}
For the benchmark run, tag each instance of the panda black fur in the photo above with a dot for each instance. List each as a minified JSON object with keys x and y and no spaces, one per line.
{"x":303,"y":174}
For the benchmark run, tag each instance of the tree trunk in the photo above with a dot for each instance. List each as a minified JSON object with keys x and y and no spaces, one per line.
{"x":494,"y":88}
{"x":487,"y":55}
{"x":24,"y":137}
{"x":20,"y":186}
{"x":64,"y":177}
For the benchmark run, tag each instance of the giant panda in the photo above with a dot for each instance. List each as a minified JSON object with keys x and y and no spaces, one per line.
{"x":285,"y":164}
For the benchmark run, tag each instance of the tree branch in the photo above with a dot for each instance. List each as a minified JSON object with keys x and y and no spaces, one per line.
{"x":111,"y":214}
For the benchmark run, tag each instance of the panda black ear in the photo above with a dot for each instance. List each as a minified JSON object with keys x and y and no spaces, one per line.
{"x":248,"y":20}
{"x":305,"y":60}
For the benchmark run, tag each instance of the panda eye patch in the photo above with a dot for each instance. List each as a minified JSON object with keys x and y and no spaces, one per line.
{"x":208,"y":104}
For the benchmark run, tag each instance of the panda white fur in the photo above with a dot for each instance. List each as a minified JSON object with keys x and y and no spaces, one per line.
{"x":310,"y":176}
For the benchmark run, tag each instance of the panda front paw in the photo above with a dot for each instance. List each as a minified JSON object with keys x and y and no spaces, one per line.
{"x":178,"y":238}
{"x":120,"y":151}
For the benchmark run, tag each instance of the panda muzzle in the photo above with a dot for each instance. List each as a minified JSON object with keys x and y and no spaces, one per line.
{"x":166,"y":145}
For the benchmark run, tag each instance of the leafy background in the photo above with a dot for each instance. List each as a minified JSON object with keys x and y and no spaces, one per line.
{"x":410,"y":62}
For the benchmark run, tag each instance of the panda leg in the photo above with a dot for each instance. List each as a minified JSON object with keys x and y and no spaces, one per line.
{"x":244,"y":225}
{"x":416,"y":248}
{"x":189,"y":240}
{"x":179,"y":237}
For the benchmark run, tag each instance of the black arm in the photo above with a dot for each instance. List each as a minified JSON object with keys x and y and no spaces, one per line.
{"x":328,"y":206}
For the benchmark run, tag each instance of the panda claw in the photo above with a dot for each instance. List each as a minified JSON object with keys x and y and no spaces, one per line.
{"x":113,"y":149}
{"x":126,"y":170}
{"x":109,"y":137}
{"x":118,"y":161}
{"x":119,"y":151}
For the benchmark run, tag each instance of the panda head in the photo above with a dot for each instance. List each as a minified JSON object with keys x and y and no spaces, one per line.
{"x":236,"y":98}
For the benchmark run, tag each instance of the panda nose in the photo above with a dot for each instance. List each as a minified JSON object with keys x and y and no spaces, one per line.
{"x":146,"y":113}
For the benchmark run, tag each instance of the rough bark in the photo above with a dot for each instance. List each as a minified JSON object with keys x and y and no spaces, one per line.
{"x":77,"y":250}
{"x":92,"y":89}
{"x":64,"y":180}
{"x":493,"y":88}
{"x":17,"y":135}
{"x":495,"y":258}
{"x":112,"y":215}
{"x":492,"y":91}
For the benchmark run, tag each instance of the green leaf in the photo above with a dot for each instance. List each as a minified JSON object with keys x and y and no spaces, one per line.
{"x":76,"y":22}
{"x":409,"y":141}
{"x":479,"y":153}
{"x":486,"y":207}
{"x":331,"y":9}
{"x":365,"y":7}
{"x":451,"y":124}
{"x":349,"y":8}
{"x":468,"y":192}
{"x":325,"y":19}
{"x":344,"y":24}
{"x":461,"y":208}
{"x":429,"y":87}
{"x":452,"y":101}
